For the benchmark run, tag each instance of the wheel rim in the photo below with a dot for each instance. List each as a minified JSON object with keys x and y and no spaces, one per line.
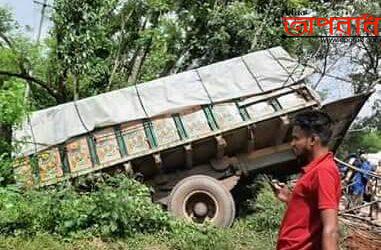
{"x":200,"y":206}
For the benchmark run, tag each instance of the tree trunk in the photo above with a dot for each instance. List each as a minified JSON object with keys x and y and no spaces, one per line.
{"x":142,"y":53}
{"x":5,"y":139}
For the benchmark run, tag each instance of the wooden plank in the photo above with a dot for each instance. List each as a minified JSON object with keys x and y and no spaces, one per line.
{"x":23,"y":172}
{"x":195,"y":122}
{"x":78,"y":153}
{"x":49,"y":164}
{"x":227,"y":114}
{"x":259,"y":110}
{"x":135,"y":138}
{"x":165,"y":130}
{"x":291,"y":100}
{"x":106,"y":146}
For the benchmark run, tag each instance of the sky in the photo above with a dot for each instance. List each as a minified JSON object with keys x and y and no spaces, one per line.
{"x":28,"y":13}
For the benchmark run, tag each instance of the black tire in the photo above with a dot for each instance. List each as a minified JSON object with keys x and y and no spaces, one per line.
{"x":192,"y":195}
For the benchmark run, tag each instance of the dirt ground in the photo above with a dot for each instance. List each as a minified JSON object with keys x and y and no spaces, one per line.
{"x":360,"y":239}
{"x":361,"y":236}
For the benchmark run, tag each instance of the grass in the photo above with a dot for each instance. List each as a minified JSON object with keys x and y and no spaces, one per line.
{"x":255,"y":230}
{"x":240,"y":236}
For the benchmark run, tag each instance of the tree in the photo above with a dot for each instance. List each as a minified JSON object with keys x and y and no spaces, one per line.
{"x":12,"y":106}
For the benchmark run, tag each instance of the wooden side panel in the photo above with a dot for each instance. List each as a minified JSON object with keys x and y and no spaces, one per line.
{"x":259,"y":110}
{"x":23,"y":172}
{"x":291,"y":100}
{"x":49,"y":164}
{"x":227,"y":114}
{"x":134,"y":137}
{"x":195,"y":122}
{"x":165,"y":129}
{"x":79,"y":155}
{"x":106,"y":145}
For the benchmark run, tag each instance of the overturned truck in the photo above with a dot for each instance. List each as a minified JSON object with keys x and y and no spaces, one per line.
{"x":191,"y":136}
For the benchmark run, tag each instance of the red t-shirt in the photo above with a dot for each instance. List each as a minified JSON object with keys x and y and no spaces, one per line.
{"x":318,"y":188}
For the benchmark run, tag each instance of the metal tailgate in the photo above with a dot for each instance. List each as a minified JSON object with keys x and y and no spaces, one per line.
{"x":343,"y":112}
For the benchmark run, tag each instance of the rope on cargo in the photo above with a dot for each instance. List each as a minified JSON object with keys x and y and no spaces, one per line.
{"x":32,"y":132}
{"x":77,"y":109}
{"x":80,"y":117}
{"x":140,"y":100}
{"x":290,"y":75}
{"x":252,"y":74}
{"x":284,"y":68}
{"x":203,"y":85}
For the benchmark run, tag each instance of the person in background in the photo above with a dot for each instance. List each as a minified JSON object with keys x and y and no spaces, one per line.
{"x":375,"y":209}
{"x":311,"y":220}
{"x":352,"y":159}
{"x":359,"y":181}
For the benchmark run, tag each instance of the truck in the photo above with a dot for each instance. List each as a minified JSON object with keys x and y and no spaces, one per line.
{"x":191,"y":136}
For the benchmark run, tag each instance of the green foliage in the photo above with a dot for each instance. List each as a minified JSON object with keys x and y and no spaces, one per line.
{"x":371,"y":142}
{"x":268,"y":211}
{"x":6,"y":167}
{"x":119,"y":207}
{"x":12,"y":108}
{"x":81,"y":27}
{"x":12,"y":112}
{"x":49,"y":215}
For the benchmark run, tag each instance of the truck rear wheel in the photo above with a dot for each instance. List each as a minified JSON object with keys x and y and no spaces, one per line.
{"x":200,"y":198}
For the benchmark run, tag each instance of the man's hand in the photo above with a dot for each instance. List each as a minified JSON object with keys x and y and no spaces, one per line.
{"x":282,"y":192}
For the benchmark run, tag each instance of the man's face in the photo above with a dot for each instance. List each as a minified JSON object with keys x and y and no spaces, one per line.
{"x":301,"y":143}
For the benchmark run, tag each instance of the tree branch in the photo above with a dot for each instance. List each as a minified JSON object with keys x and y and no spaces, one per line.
{"x":39,"y":82}
{"x":6,"y":40}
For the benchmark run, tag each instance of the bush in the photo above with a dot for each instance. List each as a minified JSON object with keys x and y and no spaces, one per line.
{"x":118,"y":214}
{"x":268,"y":211}
{"x":6,"y":168}
{"x":118,"y":207}
{"x":265,"y":216}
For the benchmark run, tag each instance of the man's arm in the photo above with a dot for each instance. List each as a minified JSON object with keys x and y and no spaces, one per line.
{"x":330,"y":231}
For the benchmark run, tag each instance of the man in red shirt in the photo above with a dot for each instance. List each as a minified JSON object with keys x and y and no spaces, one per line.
{"x":310,"y":221}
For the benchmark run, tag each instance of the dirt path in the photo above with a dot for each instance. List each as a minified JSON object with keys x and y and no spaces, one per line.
{"x":361,"y":235}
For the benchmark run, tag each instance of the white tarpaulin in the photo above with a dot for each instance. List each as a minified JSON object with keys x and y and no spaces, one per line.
{"x":172,"y":93}
{"x":251,"y":74}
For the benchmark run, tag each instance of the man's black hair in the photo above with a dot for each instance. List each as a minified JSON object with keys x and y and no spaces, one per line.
{"x":315,"y":123}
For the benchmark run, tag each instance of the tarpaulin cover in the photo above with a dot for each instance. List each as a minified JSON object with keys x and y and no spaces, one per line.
{"x":248,"y":75}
